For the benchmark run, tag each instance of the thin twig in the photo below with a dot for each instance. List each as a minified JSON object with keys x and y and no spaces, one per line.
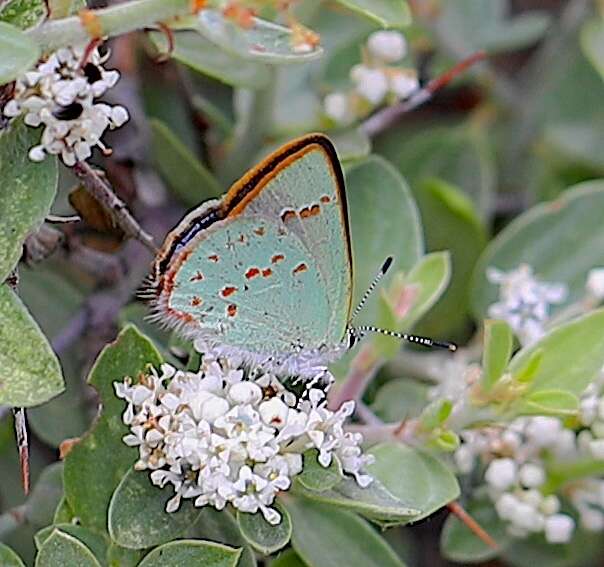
{"x":384,"y":118}
{"x":457,"y":509}
{"x":22,"y":445}
{"x":115,"y":206}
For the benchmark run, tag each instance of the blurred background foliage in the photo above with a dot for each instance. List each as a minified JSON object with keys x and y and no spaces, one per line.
{"x":514,"y":131}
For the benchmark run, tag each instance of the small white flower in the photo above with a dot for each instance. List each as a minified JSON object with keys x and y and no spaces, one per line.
{"x":524,"y":301}
{"x":337,"y":107}
{"x":543,"y":431}
{"x":531,"y":475}
{"x":403,"y":83}
{"x":371,"y":84}
{"x":595,"y":283}
{"x":214,"y":437}
{"x":596,"y":447}
{"x":559,"y":528}
{"x":389,"y":46}
{"x":501,"y":473}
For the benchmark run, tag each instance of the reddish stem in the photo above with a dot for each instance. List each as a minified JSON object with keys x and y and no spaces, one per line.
{"x":457,"y":509}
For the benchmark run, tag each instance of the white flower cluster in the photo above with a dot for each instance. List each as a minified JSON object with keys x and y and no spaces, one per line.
{"x":524,"y":301}
{"x":221,"y":438}
{"x":60,"y":95}
{"x":376,"y":80}
{"x":515,"y":473}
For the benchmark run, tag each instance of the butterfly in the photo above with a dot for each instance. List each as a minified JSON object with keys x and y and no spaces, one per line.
{"x":264,"y":274}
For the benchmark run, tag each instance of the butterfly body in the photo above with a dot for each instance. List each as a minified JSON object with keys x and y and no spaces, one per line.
{"x":265,"y":272}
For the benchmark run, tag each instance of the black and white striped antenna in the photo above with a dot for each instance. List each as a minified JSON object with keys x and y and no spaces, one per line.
{"x":357,"y":333}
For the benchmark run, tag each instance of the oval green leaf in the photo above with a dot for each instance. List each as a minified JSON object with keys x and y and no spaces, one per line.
{"x":548,"y":402}
{"x":315,"y":476}
{"x":374,"y":502}
{"x":324,"y":536}
{"x":8,"y":558}
{"x":571,"y":355}
{"x":192,"y":552}
{"x":204,"y":57}
{"x":93,"y":541}
{"x":137,"y":513}
{"x":498,"y":343}
{"x":31,"y":373}
{"x":18,"y":53}
{"x":263,"y":41}
{"x":64,"y":549}
{"x":28,"y":190}
{"x":45,"y":497}
{"x":387,"y":13}
{"x":263,"y":536}
{"x":561,"y":240}
{"x":414,"y":477}
{"x":96,"y":464}
{"x":384,"y":222}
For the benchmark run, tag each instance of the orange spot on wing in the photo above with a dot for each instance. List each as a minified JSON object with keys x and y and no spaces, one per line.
{"x":267,"y":273}
{"x":252,"y":273}
{"x":196,"y":301}
{"x":259,"y":231}
{"x":325,"y":199}
{"x":197,"y":277}
{"x":228,"y":290}
{"x":312,"y":211}
{"x":213,"y":258}
{"x":302,"y":267}
{"x":197,"y":5}
{"x":277,"y":258}
{"x":232,"y":310}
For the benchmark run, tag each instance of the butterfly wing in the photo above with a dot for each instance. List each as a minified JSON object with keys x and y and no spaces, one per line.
{"x":287,"y":216}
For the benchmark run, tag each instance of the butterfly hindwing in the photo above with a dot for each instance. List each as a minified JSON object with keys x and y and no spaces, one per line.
{"x":268,"y":266}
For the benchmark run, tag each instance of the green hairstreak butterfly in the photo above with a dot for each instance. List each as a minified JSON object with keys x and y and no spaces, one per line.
{"x":265,"y":272}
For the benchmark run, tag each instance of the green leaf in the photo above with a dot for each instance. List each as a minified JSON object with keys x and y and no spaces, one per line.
{"x":63,"y":513}
{"x":411,"y":296}
{"x":315,"y":476}
{"x":413,"y":476}
{"x":222,"y":527}
{"x":204,"y":57}
{"x":436,"y":413}
{"x":387,"y":13}
{"x":592,"y":43}
{"x":190,"y":180}
{"x":374,"y":502}
{"x":400,"y":399}
{"x":23,"y":14}
{"x":95,"y":466}
{"x":263,"y":536}
{"x":548,"y":402}
{"x":288,"y":558}
{"x":571,"y":355}
{"x":562,"y":240}
{"x":18,"y":53}
{"x":28,"y":188}
{"x":31,"y":373}
{"x":47,"y":493}
{"x":137,"y":513}
{"x":384,"y":222}
{"x":8,"y":558}
{"x":458,"y":543}
{"x":63,"y":549}
{"x":121,"y":557}
{"x":191,"y":552}
{"x":93,"y":541}
{"x":324,"y":536}
{"x":498,"y":342}
{"x":521,"y":31}
{"x":263,"y":41}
